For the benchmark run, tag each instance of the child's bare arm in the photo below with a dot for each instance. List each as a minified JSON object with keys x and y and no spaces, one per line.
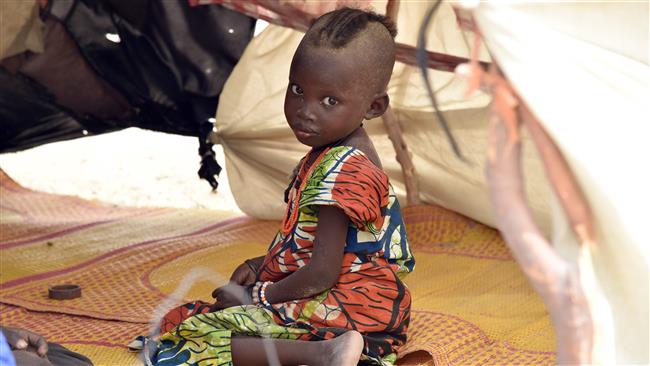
{"x":324,"y":269}
{"x":321,"y":273}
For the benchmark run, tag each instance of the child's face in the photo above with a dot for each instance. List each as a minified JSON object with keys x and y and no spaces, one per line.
{"x":327,"y":98}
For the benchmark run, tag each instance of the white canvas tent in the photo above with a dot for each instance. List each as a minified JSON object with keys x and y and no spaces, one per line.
{"x":582,"y":68}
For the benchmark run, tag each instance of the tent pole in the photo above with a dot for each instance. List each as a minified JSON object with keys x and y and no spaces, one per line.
{"x":392,"y":8}
{"x":404,"y":157}
{"x":555,"y":279}
{"x":562,"y":180}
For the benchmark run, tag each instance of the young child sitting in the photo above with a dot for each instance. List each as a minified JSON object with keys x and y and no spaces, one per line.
{"x":328,"y":291}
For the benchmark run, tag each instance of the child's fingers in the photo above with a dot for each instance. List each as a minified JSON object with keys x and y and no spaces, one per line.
{"x":220,"y":292}
{"x":16,"y":337}
{"x":20,"y":344}
{"x":223,"y":290}
{"x":215,"y":307}
{"x":238,"y":277}
{"x":38,"y":342}
{"x":243,"y":274}
{"x":41,"y":346}
{"x":21,"y":339}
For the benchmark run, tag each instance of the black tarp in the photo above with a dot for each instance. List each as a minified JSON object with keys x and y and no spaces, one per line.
{"x":159,"y":65}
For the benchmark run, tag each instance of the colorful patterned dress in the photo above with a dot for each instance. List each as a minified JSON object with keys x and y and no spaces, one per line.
{"x":369,"y":296}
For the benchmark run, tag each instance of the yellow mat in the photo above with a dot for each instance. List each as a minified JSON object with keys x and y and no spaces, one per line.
{"x":471,"y":303}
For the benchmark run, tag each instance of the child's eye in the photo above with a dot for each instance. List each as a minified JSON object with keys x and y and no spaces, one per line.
{"x":330,"y":101}
{"x":295,"y":89}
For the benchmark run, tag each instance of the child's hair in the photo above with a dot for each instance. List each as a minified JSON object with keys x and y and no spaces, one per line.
{"x":341,"y":26}
{"x":370,"y":34}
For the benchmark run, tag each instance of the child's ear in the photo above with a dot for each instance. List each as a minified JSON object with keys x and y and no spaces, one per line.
{"x":378,"y":106}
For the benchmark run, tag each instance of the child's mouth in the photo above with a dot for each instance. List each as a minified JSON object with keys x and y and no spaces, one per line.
{"x":303,"y":134}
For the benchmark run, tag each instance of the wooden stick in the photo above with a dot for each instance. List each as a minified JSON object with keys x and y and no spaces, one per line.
{"x":562,"y":180}
{"x":555,"y":280}
{"x":392,"y":8}
{"x":404,"y":157}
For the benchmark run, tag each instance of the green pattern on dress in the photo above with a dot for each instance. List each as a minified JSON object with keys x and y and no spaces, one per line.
{"x":204,"y":339}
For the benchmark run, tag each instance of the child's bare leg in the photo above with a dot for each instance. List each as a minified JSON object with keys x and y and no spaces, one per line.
{"x":343,"y":350}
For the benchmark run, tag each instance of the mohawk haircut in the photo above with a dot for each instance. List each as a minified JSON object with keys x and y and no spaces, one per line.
{"x":369,"y":37}
{"x":337,"y":28}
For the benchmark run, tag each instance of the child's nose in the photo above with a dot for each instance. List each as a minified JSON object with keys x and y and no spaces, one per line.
{"x":306,"y":111}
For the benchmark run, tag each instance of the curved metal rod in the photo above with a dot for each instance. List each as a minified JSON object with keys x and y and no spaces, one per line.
{"x":421,"y":54}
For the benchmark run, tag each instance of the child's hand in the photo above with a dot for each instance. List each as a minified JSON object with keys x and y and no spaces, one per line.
{"x":231,"y":294}
{"x":23,"y":339}
{"x":244,"y":274}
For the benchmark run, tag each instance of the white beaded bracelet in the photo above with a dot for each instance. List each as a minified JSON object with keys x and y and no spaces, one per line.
{"x":255,"y":292}
{"x":263,"y":299}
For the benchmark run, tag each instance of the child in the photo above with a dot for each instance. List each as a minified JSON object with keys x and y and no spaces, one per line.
{"x":328,"y":292}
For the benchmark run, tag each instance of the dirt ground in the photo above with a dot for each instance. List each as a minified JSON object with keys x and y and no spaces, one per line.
{"x":132,"y":167}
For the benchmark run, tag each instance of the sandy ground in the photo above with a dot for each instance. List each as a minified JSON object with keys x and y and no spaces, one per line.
{"x":132,"y":167}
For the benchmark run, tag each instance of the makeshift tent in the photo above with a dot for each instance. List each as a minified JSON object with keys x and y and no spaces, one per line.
{"x":471,"y":305}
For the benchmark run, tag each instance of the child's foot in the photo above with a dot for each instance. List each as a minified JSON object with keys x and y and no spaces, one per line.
{"x":344,"y":350}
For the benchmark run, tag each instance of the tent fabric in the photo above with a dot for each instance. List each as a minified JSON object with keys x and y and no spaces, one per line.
{"x":261,"y":150}
{"x":61,"y":65}
{"x":149,"y":64}
{"x":40,"y":100}
{"x":37,"y":102}
{"x":590,"y":96}
{"x":169,"y":69}
{"x":133,"y":264}
{"x":22,"y":31}
{"x":582,"y":69}
{"x":37,"y":118}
